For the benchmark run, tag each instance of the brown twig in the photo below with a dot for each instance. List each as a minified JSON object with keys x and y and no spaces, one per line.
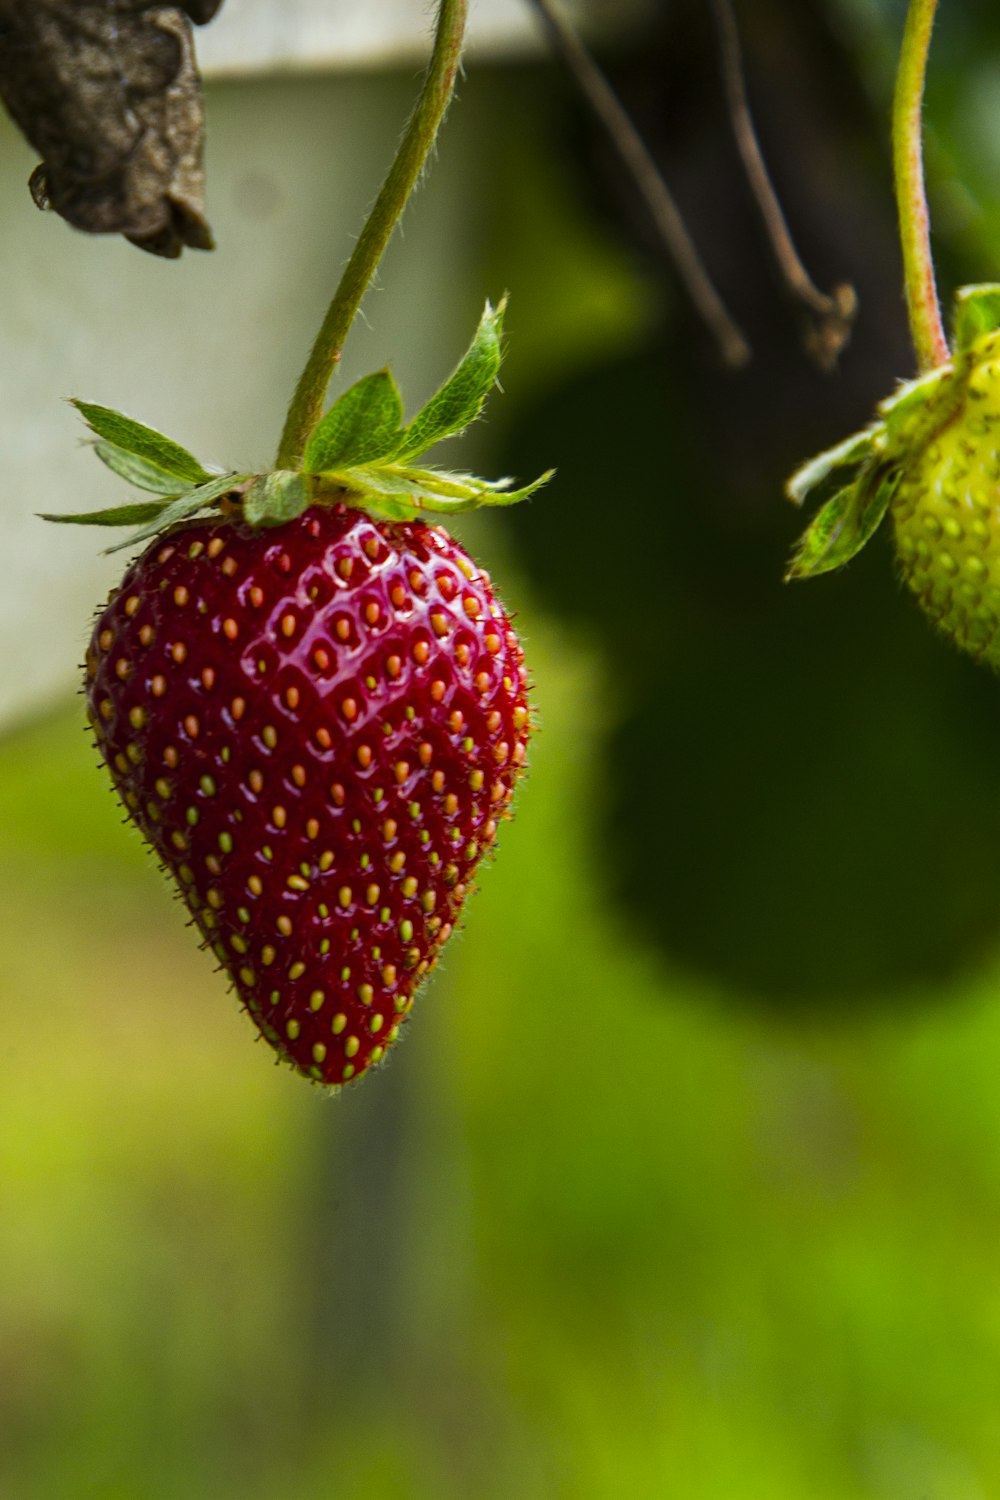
{"x":647,"y":177}
{"x":830,"y":317}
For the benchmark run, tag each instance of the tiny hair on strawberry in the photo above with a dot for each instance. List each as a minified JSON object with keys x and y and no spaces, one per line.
{"x":311,"y":701}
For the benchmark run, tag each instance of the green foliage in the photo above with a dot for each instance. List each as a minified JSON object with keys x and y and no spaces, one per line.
{"x":844,"y":524}
{"x":142,"y":442}
{"x":185,"y":507}
{"x":830,"y":471}
{"x":977,"y":312}
{"x":358,"y":453}
{"x":138,"y":471}
{"x":362,"y":427}
{"x":273,"y":498}
{"x":119,"y":515}
{"x":460,"y":400}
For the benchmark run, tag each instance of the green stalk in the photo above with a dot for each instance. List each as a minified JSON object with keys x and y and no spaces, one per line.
{"x":418,"y":138}
{"x":922,"y":303}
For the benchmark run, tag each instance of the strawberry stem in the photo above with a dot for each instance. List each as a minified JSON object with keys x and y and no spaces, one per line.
{"x":923,"y":307}
{"x":418,"y":138}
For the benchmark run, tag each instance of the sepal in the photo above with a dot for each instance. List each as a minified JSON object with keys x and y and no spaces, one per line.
{"x":976,"y":313}
{"x":272,"y":499}
{"x":143,"y":442}
{"x":203,"y":497}
{"x":829,"y":471}
{"x":463,"y":395}
{"x":138,"y":471}
{"x":117,"y":515}
{"x":362,"y":427}
{"x":845,"y":523}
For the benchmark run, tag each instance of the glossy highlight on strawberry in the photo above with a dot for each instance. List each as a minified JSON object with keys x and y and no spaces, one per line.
{"x":317,"y":728}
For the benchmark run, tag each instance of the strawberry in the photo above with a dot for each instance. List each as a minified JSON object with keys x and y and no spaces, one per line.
{"x":932,"y":462}
{"x":317,"y":730}
{"x":314,"y":708}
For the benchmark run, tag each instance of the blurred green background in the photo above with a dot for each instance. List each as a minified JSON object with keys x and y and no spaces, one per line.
{"x":685,"y":1180}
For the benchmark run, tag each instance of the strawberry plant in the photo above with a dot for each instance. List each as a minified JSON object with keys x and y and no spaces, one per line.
{"x":311,"y":701}
{"x":930,"y":460}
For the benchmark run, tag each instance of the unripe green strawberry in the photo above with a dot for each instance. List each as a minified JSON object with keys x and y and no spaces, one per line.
{"x":946,"y":507}
{"x":932,"y":461}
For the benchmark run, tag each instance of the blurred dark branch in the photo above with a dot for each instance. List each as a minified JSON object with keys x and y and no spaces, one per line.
{"x":638,"y":161}
{"x":829,"y":318}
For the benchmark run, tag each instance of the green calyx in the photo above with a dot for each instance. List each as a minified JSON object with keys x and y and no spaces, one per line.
{"x":854,"y":483}
{"x":360,"y":453}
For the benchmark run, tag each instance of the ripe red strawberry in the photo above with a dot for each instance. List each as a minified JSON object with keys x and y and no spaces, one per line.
{"x":316,"y":727}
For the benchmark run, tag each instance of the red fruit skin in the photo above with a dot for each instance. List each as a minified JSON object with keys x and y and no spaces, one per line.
{"x":316,"y":727}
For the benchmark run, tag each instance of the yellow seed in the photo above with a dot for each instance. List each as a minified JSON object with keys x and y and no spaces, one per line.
{"x":319,"y":1052}
{"x":292,"y":1029}
{"x":297,"y":970}
{"x":316,"y":999}
{"x":365,"y":994}
{"x":339,"y":1023}
{"x":352,"y":1047}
